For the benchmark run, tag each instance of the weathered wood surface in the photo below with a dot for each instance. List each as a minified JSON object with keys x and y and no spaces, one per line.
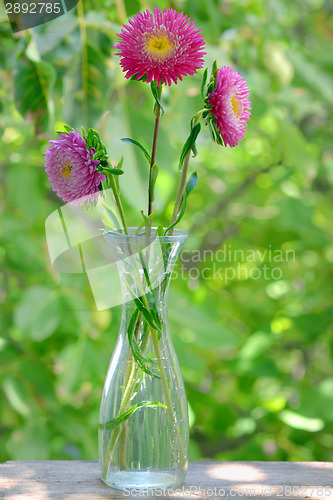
{"x":77,"y":480}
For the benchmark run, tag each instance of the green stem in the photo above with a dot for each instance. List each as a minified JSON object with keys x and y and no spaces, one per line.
{"x":130,"y":384}
{"x":118,"y":202}
{"x":165,"y":387}
{"x":181,"y":189}
{"x":115,"y":434}
{"x":153,"y":157}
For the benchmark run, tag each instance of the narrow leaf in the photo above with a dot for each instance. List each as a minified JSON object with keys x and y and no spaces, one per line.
{"x":113,"y":218}
{"x":145,"y":268}
{"x":214,"y":67}
{"x":142,"y":78}
{"x":203,"y":83}
{"x":180,"y":214}
{"x":138,"y":145}
{"x":120,"y":163}
{"x":189,"y":144}
{"x":193,"y":181}
{"x":157,"y":92}
{"x":114,"y":171}
{"x":140,"y":359}
{"x":145,"y":221}
{"x":145,"y":313}
{"x":115,"y":422}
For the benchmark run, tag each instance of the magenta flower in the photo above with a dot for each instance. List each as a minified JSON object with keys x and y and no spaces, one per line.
{"x":163,"y":48}
{"x":71,"y":169}
{"x":229,"y":106}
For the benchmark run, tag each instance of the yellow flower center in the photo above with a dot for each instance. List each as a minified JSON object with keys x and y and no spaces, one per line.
{"x":158,"y":46}
{"x":235,"y":106}
{"x":66,"y":171}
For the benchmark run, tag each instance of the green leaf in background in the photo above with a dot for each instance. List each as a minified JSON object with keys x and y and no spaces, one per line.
{"x":39,"y":312}
{"x":30,"y":441}
{"x":112,"y":424}
{"x":85,"y":88}
{"x":33,"y":83}
{"x":17,"y":395}
{"x":298,"y":421}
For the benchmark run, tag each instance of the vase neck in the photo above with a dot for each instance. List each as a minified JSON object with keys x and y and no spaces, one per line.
{"x":145,"y":264}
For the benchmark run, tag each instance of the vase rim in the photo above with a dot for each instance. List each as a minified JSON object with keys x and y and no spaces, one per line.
{"x":178,"y":235}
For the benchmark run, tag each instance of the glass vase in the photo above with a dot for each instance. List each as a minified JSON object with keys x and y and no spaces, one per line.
{"x":143,"y":424}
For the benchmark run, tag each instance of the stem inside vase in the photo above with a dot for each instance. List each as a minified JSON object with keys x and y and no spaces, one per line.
{"x":143,"y":431}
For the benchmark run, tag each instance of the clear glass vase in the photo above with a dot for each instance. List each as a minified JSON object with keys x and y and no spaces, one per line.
{"x":143,"y":425}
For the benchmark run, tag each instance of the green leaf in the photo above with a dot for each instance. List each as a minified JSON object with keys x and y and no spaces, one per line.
{"x":138,"y":145}
{"x":17,"y":395}
{"x":91,"y":135}
{"x":157,"y":92}
{"x":180,"y":215}
{"x":98,"y":155}
{"x":145,"y":221}
{"x":115,"y":422}
{"x":301,"y":422}
{"x":140,"y":359}
{"x":203,"y":83}
{"x":145,"y":313}
{"x":144,"y":267}
{"x":113,"y":218}
{"x":68,"y":128}
{"x":189,"y":144}
{"x":193,"y":181}
{"x":38,"y":314}
{"x":160,"y":230}
{"x":141,"y":79}
{"x":114,"y":171}
{"x":214,"y":68}
{"x":120,"y":163}
{"x":33,"y":84}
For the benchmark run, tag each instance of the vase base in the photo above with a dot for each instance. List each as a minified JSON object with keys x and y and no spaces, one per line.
{"x":147,"y":479}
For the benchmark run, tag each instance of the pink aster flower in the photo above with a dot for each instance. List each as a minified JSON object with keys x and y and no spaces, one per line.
{"x":162,"y":47}
{"x":71,"y":169}
{"x":229,"y":106}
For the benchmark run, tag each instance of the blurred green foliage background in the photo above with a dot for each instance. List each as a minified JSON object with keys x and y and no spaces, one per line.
{"x":256,"y":354}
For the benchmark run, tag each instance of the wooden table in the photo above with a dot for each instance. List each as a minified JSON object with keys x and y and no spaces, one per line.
{"x":76,"y":480}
